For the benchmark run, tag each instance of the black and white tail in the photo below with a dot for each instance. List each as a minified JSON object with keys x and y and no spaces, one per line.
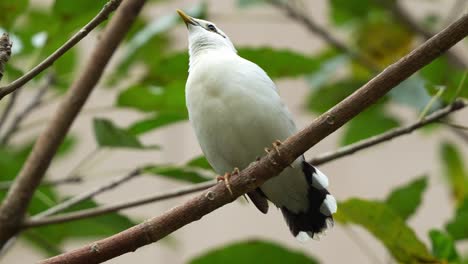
{"x":322,"y":205}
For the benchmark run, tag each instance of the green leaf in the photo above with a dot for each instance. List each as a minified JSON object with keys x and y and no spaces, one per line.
{"x":325,"y":97}
{"x":11,"y":9}
{"x":455,"y":171}
{"x":67,"y":145}
{"x":443,"y":246}
{"x":254,"y":251}
{"x":287,"y":63}
{"x":109,"y":135}
{"x":348,"y":11}
{"x":101,"y":226}
{"x":152,"y":38}
{"x":200,"y":162}
{"x":387,"y":226}
{"x":170,"y":98}
{"x":180,"y":173}
{"x":159,"y":120}
{"x":371,"y":122}
{"x":441,"y":73}
{"x":458,"y":227}
{"x":406,"y":199}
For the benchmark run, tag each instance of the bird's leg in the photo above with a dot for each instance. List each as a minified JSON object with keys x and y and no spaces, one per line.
{"x":276,"y":145}
{"x":225,"y":179}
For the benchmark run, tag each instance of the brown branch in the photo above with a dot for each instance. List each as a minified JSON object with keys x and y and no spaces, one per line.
{"x":372,"y":141}
{"x":15,"y":204}
{"x":405,"y":18}
{"x":35,"y":102}
{"x":321,"y":159}
{"x":273,"y":163}
{"x":98,"y":19}
{"x":92,"y":212}
{"x":5,"y":185}
{"x":88,"y":195}
{"x":9,"y":107}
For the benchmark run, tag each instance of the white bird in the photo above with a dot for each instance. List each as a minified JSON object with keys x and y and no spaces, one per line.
{"x":236,"y":112}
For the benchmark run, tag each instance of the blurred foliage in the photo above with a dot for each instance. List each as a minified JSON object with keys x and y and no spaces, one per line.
{"x":254,"y":251}
{"x":443,"y":246}
{"x":455,"y":171}
{"x":156,"y":94}
{"x":50,"y":239}
{"x":387,"y":226}
{"x":406,"y":199}
{"x":458,"y":227}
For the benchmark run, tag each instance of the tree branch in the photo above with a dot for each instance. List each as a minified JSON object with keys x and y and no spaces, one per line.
{"x":323,"y":33}
{"x":321,"y":159}
{"x":35,"y":102}
{"x":15,"y":204}
{"x":92,"y":212}
{"x":87,"y":195}
{"x":98,"y":19}
{"x":350,"y":149}
{"x":273,"y":163}
{"x":5,"y":185}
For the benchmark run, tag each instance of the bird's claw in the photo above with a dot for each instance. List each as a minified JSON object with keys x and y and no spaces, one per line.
{"x":276,"y":145}
{"x":226,"y":179}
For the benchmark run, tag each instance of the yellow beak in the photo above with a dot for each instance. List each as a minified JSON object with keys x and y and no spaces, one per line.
{"x":187,"y":19}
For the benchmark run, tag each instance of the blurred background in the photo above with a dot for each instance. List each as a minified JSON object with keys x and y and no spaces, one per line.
{"x":136,"y":116}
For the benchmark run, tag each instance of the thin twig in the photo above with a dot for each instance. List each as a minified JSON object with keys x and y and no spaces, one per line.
{"x":16,"y":202}
{"x":5,"y":185}
{"x":406,"y":19}
{"x":35,"y":102}
{"x":321,"y":159}
{"x":363,"y":144}
{"x":88,"y":195}
{"x":431,"y":102}
{"x":9,"y":107}
{"x":108,"y":8}
{"x":92,"y":212}
{"x":456,"y":126}
{"x":272,"y":163}
{"x":320,"y":31}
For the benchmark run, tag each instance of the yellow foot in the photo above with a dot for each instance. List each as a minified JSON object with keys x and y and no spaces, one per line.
{"x":225,"y":179}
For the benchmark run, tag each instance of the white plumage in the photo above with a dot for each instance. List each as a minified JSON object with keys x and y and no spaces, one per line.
{"x":236,"y":112}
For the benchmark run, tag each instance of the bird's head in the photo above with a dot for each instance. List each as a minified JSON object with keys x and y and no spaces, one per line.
{"x":205,"y":35}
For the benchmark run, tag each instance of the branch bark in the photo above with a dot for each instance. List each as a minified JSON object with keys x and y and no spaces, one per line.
{"x":389,"y":135}
{"x":14,"y":206}
{"x":35,"y":102}
{"x":273,"y":163}
{"x":98,"y":19}
{"x":87,"y":195}
{"x":321,"y":159}
{"x":92,"y":212}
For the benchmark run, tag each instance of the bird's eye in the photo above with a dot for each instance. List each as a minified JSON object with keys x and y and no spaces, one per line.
{"x":211,"y":27}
